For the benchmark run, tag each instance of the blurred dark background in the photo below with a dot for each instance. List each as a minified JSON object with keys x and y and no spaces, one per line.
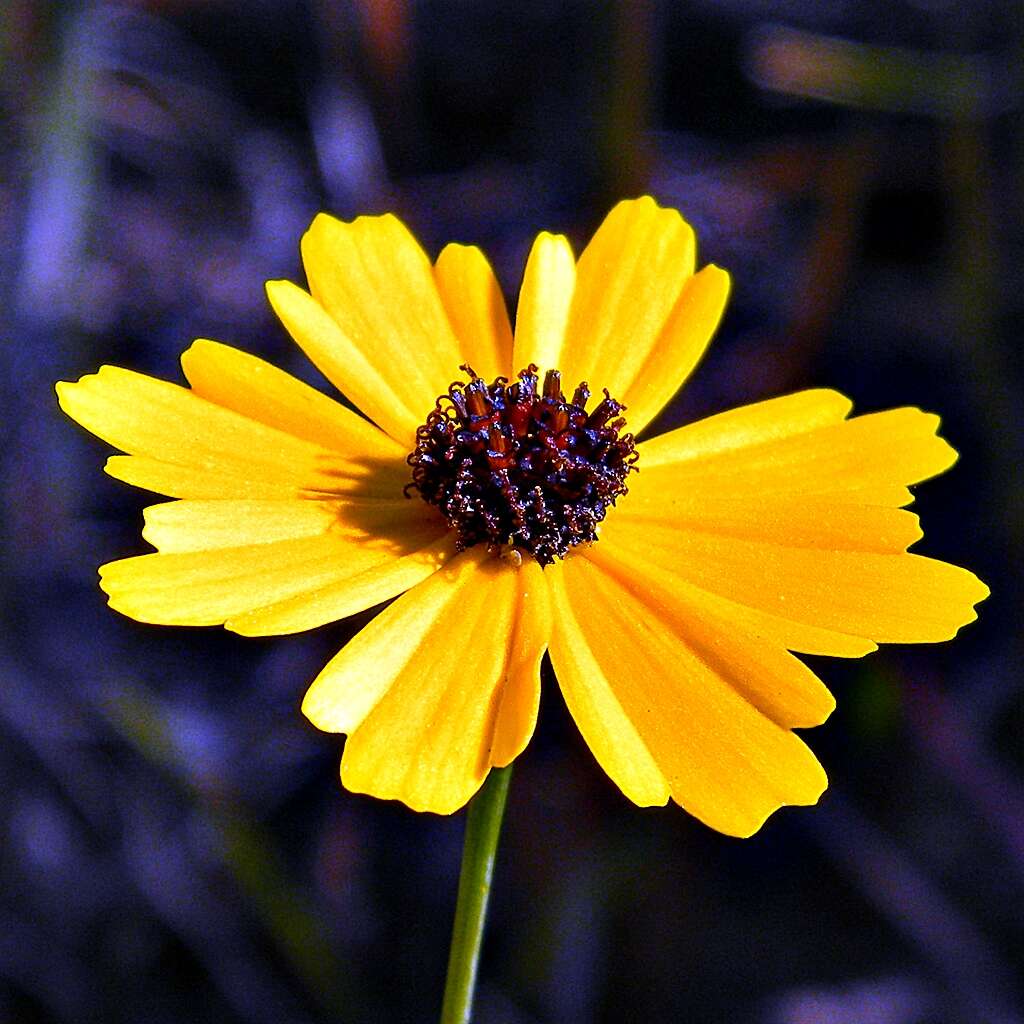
{"x":175,"y":842}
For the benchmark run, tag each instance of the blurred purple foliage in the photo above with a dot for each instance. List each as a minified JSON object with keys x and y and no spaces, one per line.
{"x":176,"y":843}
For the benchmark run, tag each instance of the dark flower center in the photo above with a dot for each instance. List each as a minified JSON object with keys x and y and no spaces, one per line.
{"x":507,"y":465}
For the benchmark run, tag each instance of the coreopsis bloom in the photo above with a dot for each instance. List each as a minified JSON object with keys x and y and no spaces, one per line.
{"x":669,"y":580}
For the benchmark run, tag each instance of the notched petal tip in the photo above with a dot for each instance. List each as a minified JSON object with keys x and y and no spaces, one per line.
{"x":97,"y":401}
{"x":553,"y":238}
{"x":203,"y":347}
{"x":442,"y":803}
{"x":640,"y":799}
{"x":722,"y":277}
{"x":125,"y":601}
{"x":276,"y":289}
{"x":316,"y":707}
{"x":972,"y":591}
{"x":825,"y":713}
{"x":151,"y":532}
{"x":749,"y":830}
{"x":647,"y":206}
{"x":639,"y":203}
{"x":949,"y":454}
{"x":120,"y":468}
{"x":805,"y":792}
{"x":321,"y":222}
{"x":70,"y":394}
{"x":67,"y":395}
{"x":918,"y":431}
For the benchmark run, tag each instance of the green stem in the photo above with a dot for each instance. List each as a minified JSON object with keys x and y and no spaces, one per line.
{"x":483,"y":826}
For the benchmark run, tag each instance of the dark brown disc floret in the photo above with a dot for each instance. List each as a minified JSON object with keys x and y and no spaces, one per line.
{"x":507,"y":464}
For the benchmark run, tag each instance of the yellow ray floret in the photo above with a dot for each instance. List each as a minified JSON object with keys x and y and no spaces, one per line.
{"x":545,"y":298}
{"x":476,"y":308}
{"x":662,"y":716}
{"x":428,"y":716}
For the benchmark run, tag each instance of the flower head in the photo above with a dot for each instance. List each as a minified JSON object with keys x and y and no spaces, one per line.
{"x":669,"y":599}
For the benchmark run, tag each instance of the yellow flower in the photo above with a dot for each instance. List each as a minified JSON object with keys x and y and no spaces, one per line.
{"x":773,"y":528}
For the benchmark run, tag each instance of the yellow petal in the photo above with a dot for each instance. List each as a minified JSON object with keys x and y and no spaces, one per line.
{"x":520,"y":694}
{"x":364,"y":587}
{"x":544,"y":300}
{"x":177,"y":481}
{"x":392,"y":350}
{"x":339,"y":699}
{"x":145,"y":416}
{"x":777,"y":628}
{"x":793,"y":636}
{"x":429,"y":716}
{"x":680,"y":346}
{"x":595,"y":703}
{"x":210,"y":587}
{"x":869,"y":459}
{"x":629,"y":678}
{"x":476,"y":308}
{"x":179,"y":526}
{"x":380,"y":393}
{"x":803,"y":522}
{"x":758,"y":668}
{"x":205,"y":482}
{"x":628,"y":281}
{"x":808,"y":522}
{"x":256,"y":389}
{"x":787,"y":509}
{"x":750,"y":425}
{"x":163,"y":423}
{"x":886,"y":598}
